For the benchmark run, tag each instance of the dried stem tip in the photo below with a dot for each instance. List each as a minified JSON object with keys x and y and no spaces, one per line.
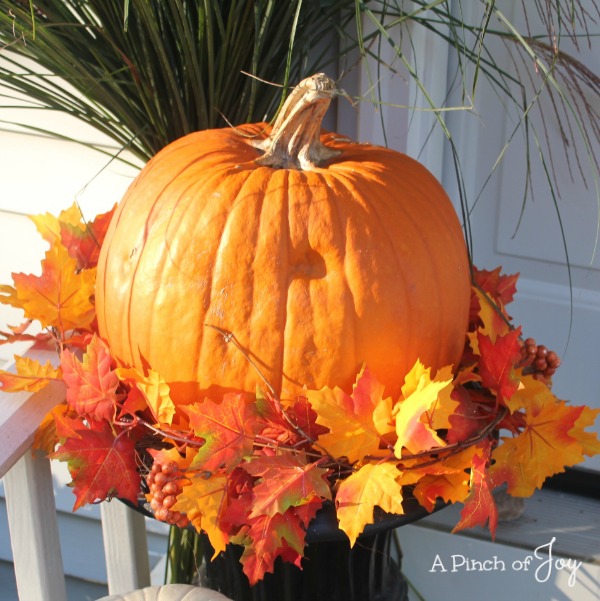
{"x":295,"y":141}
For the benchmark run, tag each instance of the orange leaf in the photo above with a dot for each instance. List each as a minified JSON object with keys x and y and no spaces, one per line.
{"x":374,"y":484}
{"x":91,"y":384}
{"x":83,"y":240}
{"x":280,"y":535}
{"x":352,"y":431}
{"x":500,"y":287}
{"x":47,"y":435}
{"x":480,"y":506}
{"x":545,"y":447}
{"x":287,"y":480}
{"x":60,"y":297}
{"x":102,"y":465}
{"x":30,"y":375}
{"x":447,"y":479}
{"x":497,"y":363}
{"x":228,"y":429}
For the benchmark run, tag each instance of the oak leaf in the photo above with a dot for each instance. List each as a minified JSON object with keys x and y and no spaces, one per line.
{"x":102,"y":465}
{"x":352,"y":430}
{"x":30,"y":375}
{"x":91,"y":383}
{"x":373,"y":485}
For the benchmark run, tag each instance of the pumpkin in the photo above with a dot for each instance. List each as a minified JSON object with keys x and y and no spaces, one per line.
{"x":317,"y":254}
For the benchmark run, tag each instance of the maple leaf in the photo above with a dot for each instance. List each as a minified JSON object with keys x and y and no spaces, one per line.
{"x":374,"y":484}
{"x":30,"y":375}
{"x":280,"y":535}
{"x":203,"y":500}
{"x":491,"y":321}
{"x":286,"y":480}
{"x":19,"y":333}
{"x":501,"y":287}
{"x":101,"y":465}
{"x":61,"y":297}
{"x":83,"y":241}
{"x":468,"y":417}
{"x":544,"y":448}
{"x":413,"y":425}
{"x":479,"y":505}
{"x":154,"y":394}
{"x":497,"y":363}
{"x":49,"y":225}
{"x":240,"y":496}
{"x":589,"y":442}
{"x":92,"y":383}
{"x":228,"y":429}
{"x":352,"y":431}
{"x":47,"y":435}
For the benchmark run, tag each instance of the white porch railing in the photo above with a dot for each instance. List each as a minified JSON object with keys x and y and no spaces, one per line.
{"x":32,"y":512}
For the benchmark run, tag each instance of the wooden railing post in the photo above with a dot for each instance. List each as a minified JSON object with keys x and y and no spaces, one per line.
{"x":33,"y":530}
{"x":125,"y":548}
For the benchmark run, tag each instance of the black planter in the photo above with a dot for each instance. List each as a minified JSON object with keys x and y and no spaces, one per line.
{"x":331,"y":570}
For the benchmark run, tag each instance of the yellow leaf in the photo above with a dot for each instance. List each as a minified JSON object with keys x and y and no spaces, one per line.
{"x":414,"y":430}
{"x":588,"y":440}
{"x":544,"y":448}
{"x":353,"y":433}
{"x":30,"y":375}
{"x":155,"y":391}
{"x":203,"y":502}
{"x":48,"y":225}
{"x":447,"y":479}
{"x":60,"y":297}
{"x":374,"y":484}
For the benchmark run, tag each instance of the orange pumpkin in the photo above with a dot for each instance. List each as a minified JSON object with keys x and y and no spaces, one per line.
{"x":317,"y":253}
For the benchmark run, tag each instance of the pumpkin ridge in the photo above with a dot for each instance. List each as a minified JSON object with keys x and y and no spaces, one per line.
{"x":375,"y":208}
{"x":215,"y":314}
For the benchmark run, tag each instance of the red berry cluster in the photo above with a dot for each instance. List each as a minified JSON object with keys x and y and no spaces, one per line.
{"x":538,"y":360}
{"x":165,"y":483}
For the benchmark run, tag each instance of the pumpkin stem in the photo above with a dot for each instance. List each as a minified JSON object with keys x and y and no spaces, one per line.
{"x":295,"y":140}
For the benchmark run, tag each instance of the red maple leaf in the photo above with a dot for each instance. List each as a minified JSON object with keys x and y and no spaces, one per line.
{"x":83,"y":244}
{"x":92,"y":383}
{"x":228,"y":429}
{"x":101,"y":465}
{"x":479,"y":506}
{"x":287,"y":480}
{"x":280,"y":535}
{"x":501,"y":288}
{"x":497,"y":363}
